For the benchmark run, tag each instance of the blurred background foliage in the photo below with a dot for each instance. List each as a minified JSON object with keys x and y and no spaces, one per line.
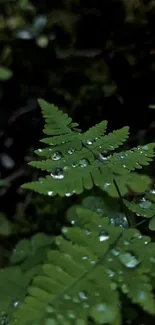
{"x":95,"y":59}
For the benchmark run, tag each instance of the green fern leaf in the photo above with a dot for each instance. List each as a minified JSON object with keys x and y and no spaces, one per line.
{"x":57,"y":122}
{"x":13,"y":287}
{"x":143,"y":208}
{"x":95,"y":132}
{"x":109,"y":142}
{"x":94,"y":264}
{"x":26,"y":260}
{"x":152,"y":224}
{"x":78,"y":161}
{"x":132,"y":181}
{"x":132,"y":159}
{"x":30,"y":253}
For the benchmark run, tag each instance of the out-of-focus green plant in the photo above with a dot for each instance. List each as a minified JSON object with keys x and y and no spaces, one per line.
{"x":5,"y":60}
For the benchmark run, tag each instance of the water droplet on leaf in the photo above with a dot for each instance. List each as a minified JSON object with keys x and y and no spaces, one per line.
{"x":70,"y":151}
{"x":76,"y":300}
{"x":145,"y":204}
{"x":125,"y":288}
{"x":58,"y":173}
{"x":71,"y":314}
{"x":120,"y":155}
{"x":106,"y":185}
{"x":15,"y":303}
{"x":24,"y":34}
{"x":84,"y":257}
{"x":67,"y":297}
{"x":104,"y":155}
{"x":89,"y":141}
{"x":83,"y":163}
{"x":88,"y":233}
{"x":68,"y":194}
{"x":115,"y":252}
{"x":64,"y":230}
{"x":99,"y":211}
{"x":50,"y":193}
{"x":129,"y":260}
{"x":103,"y":236}
{"x":82,"y":295}
{"x":126,"y":243}
{"x":111,"y":273}
{"x":3,"y":318}
{"x":85,"y":306}
{"x":56,"y":155}
{"x":145,"y":147}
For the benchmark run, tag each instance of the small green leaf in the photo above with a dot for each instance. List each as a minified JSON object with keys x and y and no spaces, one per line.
{"x":5,"y":73}
{"x":30,"y":253}
{"x":13,"y":285}
{"x":152,"y":106}
{"x":22,"y":250}
{"x":4,"y":183}
{"x":152,"y":224}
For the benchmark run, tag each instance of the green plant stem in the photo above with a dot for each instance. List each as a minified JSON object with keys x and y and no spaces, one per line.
{"x":126,"y":212}
{"x":140,"y":223}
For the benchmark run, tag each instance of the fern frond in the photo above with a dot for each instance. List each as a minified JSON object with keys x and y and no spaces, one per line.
{"x":57,"y":122}
{"x":26,"y":260}
{"x":78,"y":161}
{"x":94,"y":264}
{"x":143,"y":208}
{"x":13,"y":287}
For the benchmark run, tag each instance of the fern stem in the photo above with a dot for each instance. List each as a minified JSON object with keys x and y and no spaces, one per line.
{"x":126,"y":212}
{"x":140,"y":223}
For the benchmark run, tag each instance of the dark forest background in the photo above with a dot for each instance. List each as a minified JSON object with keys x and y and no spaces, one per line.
{"x":95,"y":59}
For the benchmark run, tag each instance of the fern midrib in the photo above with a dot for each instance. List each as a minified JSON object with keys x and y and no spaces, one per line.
{"x":55,"y":301}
